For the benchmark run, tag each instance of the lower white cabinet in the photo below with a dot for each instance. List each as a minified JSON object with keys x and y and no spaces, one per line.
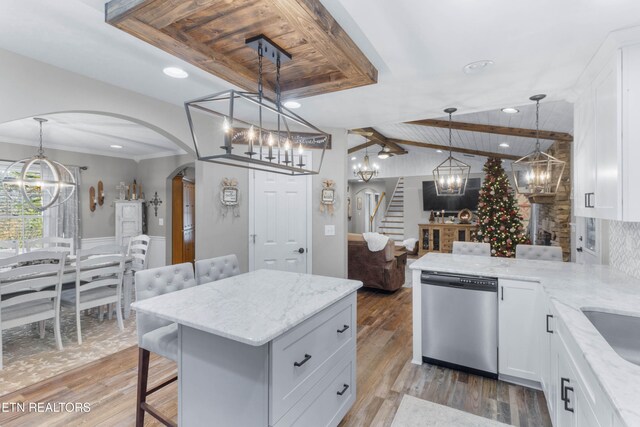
{"x":518,"y":335}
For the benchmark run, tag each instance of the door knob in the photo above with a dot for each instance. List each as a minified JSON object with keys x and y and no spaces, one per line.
{"x":579,"y":249}
{"x":300,"y":251}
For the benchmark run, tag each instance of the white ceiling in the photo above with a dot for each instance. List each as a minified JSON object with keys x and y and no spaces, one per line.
{"x":419,"y":48}
{"x":555,"y":116}
{"x":90,"y":133}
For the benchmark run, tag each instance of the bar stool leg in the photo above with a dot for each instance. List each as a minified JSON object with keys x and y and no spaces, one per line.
{"x":143,"y":376}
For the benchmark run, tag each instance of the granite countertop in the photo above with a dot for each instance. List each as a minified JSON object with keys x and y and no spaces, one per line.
{"x":252,"y":308}
{"x":571,"y":287}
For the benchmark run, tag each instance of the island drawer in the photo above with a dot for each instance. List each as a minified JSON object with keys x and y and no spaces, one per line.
{"x":308,"y":352}
{"x":329,"y":401}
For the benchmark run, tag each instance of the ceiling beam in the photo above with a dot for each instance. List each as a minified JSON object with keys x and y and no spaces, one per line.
{"x":497,"y":130}
{"x":455,"y":149}
{"x":361,"y":147}
{"x":377,"y":138}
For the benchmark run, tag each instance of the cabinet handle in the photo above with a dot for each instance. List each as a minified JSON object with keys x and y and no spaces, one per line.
{"x":549,"y":316}
{"x":567,"y":400}
{"x":502,"y":293}
{"x":305,"y":360}
{"x":345,"y":387}
{"x":344,"y":328}
{"x":563,"y":393}
{"x":586,"y":200}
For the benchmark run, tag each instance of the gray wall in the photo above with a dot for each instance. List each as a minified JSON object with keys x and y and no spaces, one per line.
{"x":111,"y":170}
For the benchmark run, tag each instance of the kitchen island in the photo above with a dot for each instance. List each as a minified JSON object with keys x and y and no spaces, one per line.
{"x":599,"y":379}
{"x":266,"y":348}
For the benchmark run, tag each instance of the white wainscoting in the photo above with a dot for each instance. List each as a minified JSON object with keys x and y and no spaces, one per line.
{"x":157,"y":248}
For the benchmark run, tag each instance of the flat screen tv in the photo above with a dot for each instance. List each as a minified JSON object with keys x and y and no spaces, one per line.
{"x":432,"y":202}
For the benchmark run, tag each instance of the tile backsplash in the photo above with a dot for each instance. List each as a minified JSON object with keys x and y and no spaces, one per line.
{"x":624,"y":247}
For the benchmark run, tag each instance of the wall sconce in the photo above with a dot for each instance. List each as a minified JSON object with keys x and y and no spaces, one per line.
{"x":96,"y":199}
{"x":100,"y":193}
{"x":155,"y":202}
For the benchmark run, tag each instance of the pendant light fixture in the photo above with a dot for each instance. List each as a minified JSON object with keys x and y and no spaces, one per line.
{"x":249,"y":130}
{"x":451,"y":176}
{"x":40,"y":182}
{"x":365,"y":171}
{"x":537,"y":173}
{"x":384,"y":153}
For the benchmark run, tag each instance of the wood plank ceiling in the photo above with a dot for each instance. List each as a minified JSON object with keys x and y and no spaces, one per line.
{"x":211,"y":34}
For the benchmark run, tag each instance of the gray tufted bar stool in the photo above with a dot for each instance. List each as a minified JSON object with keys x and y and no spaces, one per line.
{"x":471,"y":248}
{"x":212,"y":269}
{"x":539,"y":252}
{"x":154,"y":334}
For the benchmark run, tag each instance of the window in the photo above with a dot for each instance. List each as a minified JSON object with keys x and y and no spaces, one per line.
{"x":18,"y":220}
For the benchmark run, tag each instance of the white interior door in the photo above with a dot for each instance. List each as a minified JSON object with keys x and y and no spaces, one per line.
{"x":281,"y":234}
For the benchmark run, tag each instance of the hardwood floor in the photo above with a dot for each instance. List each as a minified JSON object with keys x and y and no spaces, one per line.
{"x":385,"y":374}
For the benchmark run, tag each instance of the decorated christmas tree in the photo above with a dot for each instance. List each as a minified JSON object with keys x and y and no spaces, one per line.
{"x":500,"y":223}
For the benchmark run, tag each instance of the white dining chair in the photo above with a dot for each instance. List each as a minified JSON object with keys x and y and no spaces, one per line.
{"x":51,"y":244}
{"x":30,"y":286}
{"x":155,"y":334}
{"x":99,"y":274}
{"x":9,"y":248}
{"x":471,"y":248}
{"x":138,"y":250}
{"x":540,"y":252}
{"x":212,"y":269}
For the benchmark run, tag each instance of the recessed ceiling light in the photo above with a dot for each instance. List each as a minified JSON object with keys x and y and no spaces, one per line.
{"x":175,"y":72}
{"x":504,"y":144}
{"x":510,"y":110}
{"x":477,"y":66}
{"x":438,"y":151}
{"x":353,"y":158}
{"x":292,"y":104}
{"x":115,"y":146}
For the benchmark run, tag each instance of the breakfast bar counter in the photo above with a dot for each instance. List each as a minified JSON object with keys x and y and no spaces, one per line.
{"x":263,"y":348}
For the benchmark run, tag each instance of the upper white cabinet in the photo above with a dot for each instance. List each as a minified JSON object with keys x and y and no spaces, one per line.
{"x":607,"y":136}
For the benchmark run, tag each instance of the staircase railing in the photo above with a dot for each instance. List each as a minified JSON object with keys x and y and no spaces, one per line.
{"x":386,"y":211}
{"x":375,"y":211}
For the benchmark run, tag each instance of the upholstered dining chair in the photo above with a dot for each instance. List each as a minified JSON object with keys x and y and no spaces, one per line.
{"x":212,"y":269}
{"x":8,"y":248}
{"x":540,"y":252}
{"x":154,"y":334}
{"x":30,"y":286}
{"x":471,"y":248}
{"x":99,"y":274}
{"x":51,"y":244}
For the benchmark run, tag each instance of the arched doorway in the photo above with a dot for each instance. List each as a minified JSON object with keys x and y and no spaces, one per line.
{"x":181,"y":193}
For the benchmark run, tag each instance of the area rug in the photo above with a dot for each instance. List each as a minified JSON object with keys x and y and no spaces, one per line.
{"x":29,"y":359}
{"x":414,"y":412}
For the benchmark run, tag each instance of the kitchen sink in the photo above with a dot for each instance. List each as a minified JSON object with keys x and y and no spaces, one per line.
{"x":622,"y":332}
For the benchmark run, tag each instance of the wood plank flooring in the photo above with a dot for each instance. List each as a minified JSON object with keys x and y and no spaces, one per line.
{"x":385,"y":374}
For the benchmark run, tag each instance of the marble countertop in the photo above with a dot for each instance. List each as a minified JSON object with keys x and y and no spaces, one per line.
{"x":571,"y":288}
{"x":252,"y":308}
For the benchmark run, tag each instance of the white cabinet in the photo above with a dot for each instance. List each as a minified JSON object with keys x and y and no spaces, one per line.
{"x":518,"y":333}
{"x":548,"y":356}
{"x":129,"y":220}
{"x":607,"y":137}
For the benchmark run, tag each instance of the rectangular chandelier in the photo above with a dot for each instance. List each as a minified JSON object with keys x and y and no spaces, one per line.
{"x":250,"y":130}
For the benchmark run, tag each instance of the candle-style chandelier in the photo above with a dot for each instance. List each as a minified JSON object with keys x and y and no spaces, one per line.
{"x":249,"y":130}
{"x":451,"y":176}
{"x":365,"y":171}
{"x":537,"y":173}
{"x":40,"y":182}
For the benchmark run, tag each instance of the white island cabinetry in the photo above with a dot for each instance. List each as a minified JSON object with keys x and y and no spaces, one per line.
{"x":266,"y":348}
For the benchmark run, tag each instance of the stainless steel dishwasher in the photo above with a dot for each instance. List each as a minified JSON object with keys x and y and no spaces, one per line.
{"x":460,"y":322}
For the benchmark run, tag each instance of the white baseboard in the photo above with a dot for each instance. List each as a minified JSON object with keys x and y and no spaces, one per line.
{"x":92,"y":242}
{"x":157,"y":248}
